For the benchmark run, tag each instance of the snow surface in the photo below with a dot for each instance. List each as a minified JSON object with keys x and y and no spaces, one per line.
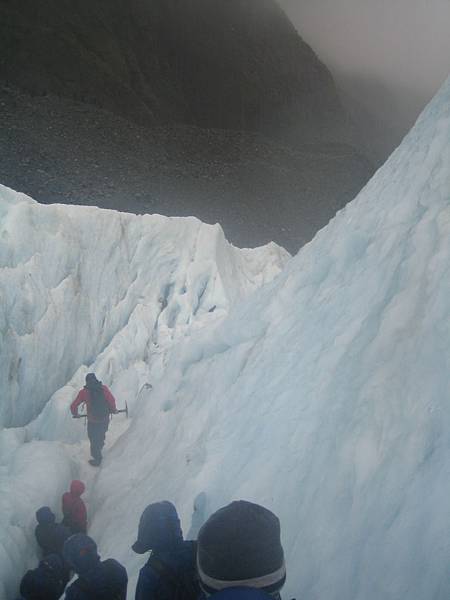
{"x":323,"y":395}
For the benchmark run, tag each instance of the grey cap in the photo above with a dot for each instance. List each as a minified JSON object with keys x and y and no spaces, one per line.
{"x":240,"y":545}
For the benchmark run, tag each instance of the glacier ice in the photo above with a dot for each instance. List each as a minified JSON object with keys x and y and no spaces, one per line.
{"x":322,"y":394}
{"x":84,"y":288}
{"x":75,"y":280}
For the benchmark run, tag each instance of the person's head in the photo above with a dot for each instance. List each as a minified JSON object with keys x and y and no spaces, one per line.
{"x":239,"y":546}
{"x":92,"y":382}
{"x":80,"y":552}
{"x":77,"y":487}
{"x":45,"y":516}
{"x":54,"y":564}
{"x":159,"y":528}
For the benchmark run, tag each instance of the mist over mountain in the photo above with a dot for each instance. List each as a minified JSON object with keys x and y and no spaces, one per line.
{"x":388,"y":58}
{"x":216,"y":67}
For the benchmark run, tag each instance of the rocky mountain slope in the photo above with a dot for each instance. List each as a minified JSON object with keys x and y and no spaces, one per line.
{"x":204,"y":71}
{"x":259,"y":190}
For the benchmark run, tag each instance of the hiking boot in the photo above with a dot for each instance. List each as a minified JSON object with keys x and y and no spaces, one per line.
{"x":95,"y":462}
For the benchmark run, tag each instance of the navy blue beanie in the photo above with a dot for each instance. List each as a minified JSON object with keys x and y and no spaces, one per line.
{"x":80,"y":551}
{"x":44,"y":515}
{"x":159,"y":528}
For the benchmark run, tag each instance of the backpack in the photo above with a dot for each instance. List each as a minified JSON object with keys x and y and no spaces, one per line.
{"x":111,"y":585}
{"x":39,"y":584}
{"x":184,"y":582}
{"x":98,"y":404}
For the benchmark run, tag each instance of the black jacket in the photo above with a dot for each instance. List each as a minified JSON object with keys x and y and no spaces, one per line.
{"x":44,"y":582}
{"x":107,"y":580}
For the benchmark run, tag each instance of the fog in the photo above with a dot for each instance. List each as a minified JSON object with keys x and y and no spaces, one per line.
{"x":388,"y":57}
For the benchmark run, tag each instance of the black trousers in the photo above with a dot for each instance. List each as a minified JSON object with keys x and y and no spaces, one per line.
{"x":96,"y":435}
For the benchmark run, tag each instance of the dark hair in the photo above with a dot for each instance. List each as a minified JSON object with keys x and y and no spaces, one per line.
{"x":92,"y":382}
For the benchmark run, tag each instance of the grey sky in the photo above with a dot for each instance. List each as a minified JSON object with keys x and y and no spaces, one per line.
{"x":388,"y":56}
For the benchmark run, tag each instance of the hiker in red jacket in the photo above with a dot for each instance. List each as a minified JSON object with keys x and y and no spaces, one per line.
{"x":74,"y":509}
{"x":100,"y":403}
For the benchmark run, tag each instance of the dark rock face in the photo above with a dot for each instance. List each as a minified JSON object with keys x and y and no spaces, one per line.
{"x":229,"y":64}
{"x":65,"y":151}
{"x":215,"y":108}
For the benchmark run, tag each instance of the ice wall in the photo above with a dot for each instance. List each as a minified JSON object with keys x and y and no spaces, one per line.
{"x":324,"y":396}
{"x":74,"y":280}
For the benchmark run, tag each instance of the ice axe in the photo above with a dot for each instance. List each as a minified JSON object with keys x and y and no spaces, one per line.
{"x":122,"y":410}
{"x":146,"y":386}
{"x":81,"y":417}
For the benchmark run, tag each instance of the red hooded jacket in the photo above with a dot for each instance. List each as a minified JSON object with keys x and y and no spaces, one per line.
{"x":74,"y":509}
{"x":83,"y":397}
